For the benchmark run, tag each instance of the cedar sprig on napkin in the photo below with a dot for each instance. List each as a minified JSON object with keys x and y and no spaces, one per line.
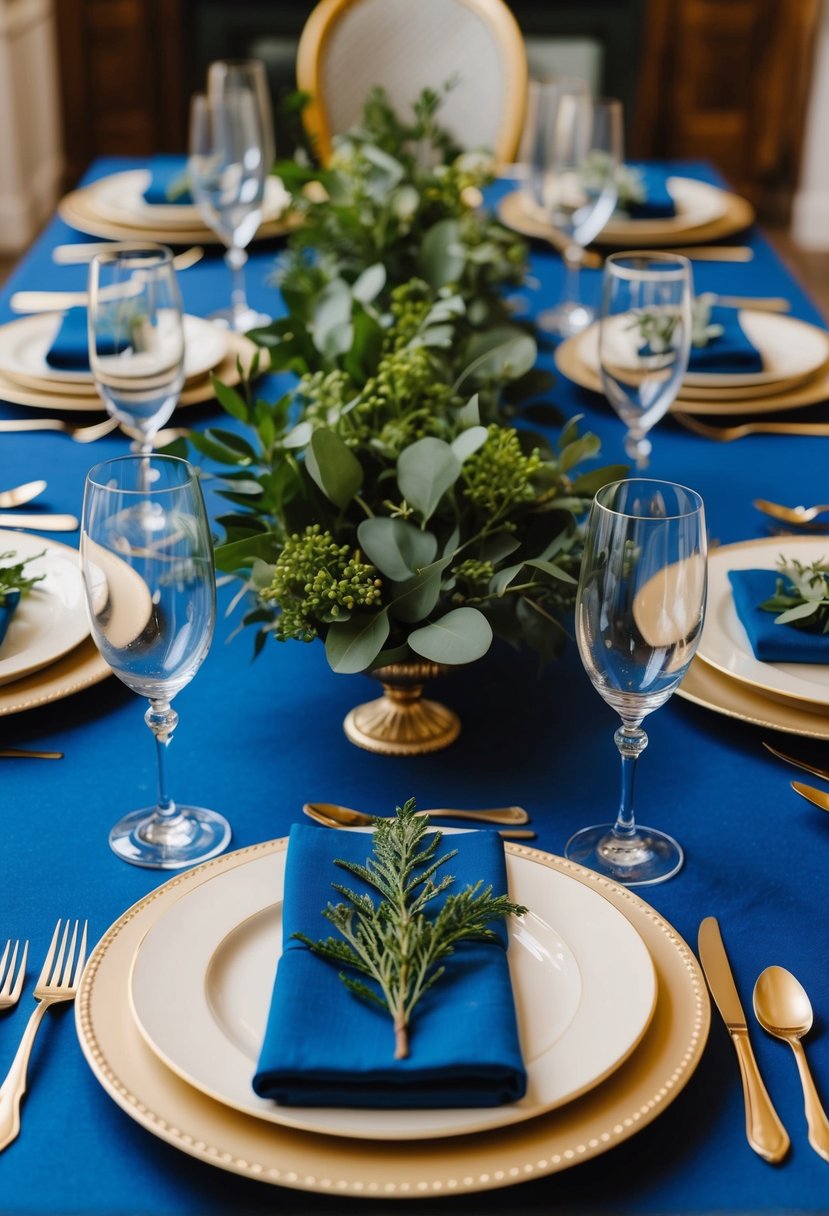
{"x":801,"y":596}
{"x":393,"y":943}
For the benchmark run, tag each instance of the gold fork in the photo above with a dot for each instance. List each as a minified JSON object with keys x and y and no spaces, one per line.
{"x":81,"y":434}
{"x":725,"y":434}
{"x":58,"y":981}
{"x":11,"y":987}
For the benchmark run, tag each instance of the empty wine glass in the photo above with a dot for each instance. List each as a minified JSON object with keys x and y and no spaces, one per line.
{"x":227,"y":173}
{"x":136,"y":339}
{"x":644,"y":339}
{"x":575,"y":148}
{"x":147,"y":563}
{"x":639,"y":613}
{"x":225,"y":76}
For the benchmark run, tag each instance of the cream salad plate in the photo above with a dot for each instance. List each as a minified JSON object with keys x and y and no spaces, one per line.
{"x":202,"y":978}
{"x":51,"y":620}
{"x":630,"y":1098}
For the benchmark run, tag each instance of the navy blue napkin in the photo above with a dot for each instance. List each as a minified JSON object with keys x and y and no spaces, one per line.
{"x":69,"y":351}
{"x":657,"y":203}
{"x":325,"y":1047}
{"x":731,"y":352}
{"x":166,"y":179}
{"x":772,"y":643}
{"x":7,"y":609}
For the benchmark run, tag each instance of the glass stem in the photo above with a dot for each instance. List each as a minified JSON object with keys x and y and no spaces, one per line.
{"x":162,"y":720}
{"x":235,"y":260}
{"x":631,"y":741}
{"x":572,"y":266}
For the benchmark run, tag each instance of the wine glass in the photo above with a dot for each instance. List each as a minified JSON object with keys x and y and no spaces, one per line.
{"x":639,"y":613}
{"x":147,"y":563}
{"x":575,"y":149}
{"x":225,"y":76}
{"x":136,"y":338}
{"x":227,"y":173}
{"x":644,"y":339}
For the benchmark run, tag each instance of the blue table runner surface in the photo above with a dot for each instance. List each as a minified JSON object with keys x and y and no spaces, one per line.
{"x":256,"y":740}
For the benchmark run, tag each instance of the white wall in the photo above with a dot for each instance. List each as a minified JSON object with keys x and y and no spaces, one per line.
{"x":810,"y":214}
{"x":31,"y":156}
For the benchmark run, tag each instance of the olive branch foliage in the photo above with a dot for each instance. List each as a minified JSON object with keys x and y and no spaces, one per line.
{"x":393,"y":943}
{"x":801,"y":595}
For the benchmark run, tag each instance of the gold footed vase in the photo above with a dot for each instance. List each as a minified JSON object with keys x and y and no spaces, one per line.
{"x":403,"y":722}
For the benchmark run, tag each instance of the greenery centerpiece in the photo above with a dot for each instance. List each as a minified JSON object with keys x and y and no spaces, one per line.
{"x":387,"y":503}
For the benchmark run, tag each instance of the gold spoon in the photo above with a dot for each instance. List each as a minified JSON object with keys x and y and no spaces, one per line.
{"x":783,"y":1009}
{"x":333,"y":816}
{"x":790,"y":515}
{"x":20,"y":494}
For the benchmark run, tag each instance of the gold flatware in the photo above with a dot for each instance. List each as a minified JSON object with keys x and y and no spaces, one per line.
{"x":817,"y":797}
{"x":12,"y":976}
{"x":66,"y":255}
{"x":40,"y":523}
{"x":714,"y":253}
{"x":313,"y":812}
{"x":349,"y":818}
{"x":807,"y":768}
{"x":764,"y":1131}
{"x":58,"y":981}
{"x":784,"y":1010}
{"x":19,"y":753}
{"x":81,"y":434}
{"x":751,"y":303}
{"x":791,"y":515}
{"x":54,"y":301}
{"x":725,"y":434}
{"x":20,"y":494}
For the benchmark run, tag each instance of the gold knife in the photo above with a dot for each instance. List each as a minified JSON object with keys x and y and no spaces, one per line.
{"x":815,"y":796}
{"x":765,"y":1133}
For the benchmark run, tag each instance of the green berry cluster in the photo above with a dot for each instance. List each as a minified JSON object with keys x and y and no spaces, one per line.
{"x":316,"y":581}
{"x":499,"y":475}
{"x":473,"y":577}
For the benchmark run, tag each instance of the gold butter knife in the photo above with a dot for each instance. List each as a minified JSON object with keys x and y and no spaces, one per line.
{"x":765,"y":1133}
{"x":823,"y":773}
{"x":816,"y":797}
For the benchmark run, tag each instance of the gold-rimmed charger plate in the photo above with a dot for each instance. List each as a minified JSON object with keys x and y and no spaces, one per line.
{"x":737,"y":215}
{"x":171,"y":1109}
{"x":194,"y":392}
{"x":808,"y":392}
{"x":79,"y":669}
{"x":711,"y":689}
{"x":78,"y":210}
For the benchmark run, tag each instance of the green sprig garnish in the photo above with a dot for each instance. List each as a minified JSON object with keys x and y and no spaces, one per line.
{"x":12,"y":578}
{"x":801,"y":596}
{"x":393,"y":943}
{"x":657,"y":327}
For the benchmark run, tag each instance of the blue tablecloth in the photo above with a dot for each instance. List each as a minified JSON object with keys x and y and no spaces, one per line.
{"x":258,"y":739}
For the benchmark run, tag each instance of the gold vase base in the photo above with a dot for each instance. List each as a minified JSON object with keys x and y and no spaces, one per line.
{"x":402,"y":723}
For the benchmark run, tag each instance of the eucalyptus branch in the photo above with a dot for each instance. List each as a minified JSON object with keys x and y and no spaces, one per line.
{"x":393,"y":943}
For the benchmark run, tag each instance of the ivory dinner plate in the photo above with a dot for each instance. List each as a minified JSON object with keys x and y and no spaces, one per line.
{"x":583,"y":980}
{"x":712,"y":689}
{"x":120,"y":197}
{"x":634,"y":1095}
{"x":724,"y":643}
{"x":51,"y":619}
{"x":25,"y":343}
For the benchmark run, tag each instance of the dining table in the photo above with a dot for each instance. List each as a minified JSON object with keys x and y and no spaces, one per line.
{"x":260,"y":736}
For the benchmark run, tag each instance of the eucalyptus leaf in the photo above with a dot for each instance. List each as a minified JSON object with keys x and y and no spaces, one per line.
{"x":398,"y":549}
{"x":425,"y":471}
{"x":231,"y":401}
{"x":470,"y":414}
{"x":241,"y":554}
{"x":299,"y":436}
{"x":553,"y":570}
{"x":469,"y":441}
{"x":461,"y":636}
{"x":504,"y":352}
{"x":441,"y":254}
{"x":501,"y":579}
{"x":540,"y":630}
{"x":588,"y":445}
{"x":416,"y":597}
{"x":588,"y":483}
{"x":370,"y":283}
{"x":352,"y":646}
{"x":333,"y":466}
{"x":332,"y":317}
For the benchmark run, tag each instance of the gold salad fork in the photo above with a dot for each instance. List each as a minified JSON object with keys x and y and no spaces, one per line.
{"x":58,"y":981}
{"x":81,"y":434}
{"x":11,"y":986}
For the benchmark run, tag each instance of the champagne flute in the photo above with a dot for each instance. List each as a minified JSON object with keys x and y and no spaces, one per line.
{"x":227,"y":172}
{"x":136,"y":338}
{"x":225,"y":76}
{"x":147,"y":564}
{"x":639,"y":613}
{"x":575,"y":149}
{"x":644,"y":339}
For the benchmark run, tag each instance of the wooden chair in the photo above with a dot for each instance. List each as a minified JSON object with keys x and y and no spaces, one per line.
{"x":349,"y":46}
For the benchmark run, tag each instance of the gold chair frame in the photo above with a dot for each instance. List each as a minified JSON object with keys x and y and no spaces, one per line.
{"x":495,"y":15}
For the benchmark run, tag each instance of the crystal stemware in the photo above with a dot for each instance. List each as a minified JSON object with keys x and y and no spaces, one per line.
{"x":227,"y":172}
{"x":575,"y":148}
{"x":226,"y":76}
{"x":147,"y":563}
{"x":136,"y":338}
{"x":645,"y":331}
{"x":639,"y":614}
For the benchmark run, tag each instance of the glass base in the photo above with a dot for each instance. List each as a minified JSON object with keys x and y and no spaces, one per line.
{"x":565,"y":319}
{"x":645,"y":858}
{"x":143,"y":838}
{"x":239,"y":322}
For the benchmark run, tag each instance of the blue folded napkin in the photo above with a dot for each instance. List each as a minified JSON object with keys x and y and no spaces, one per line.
{"x":731,"y":352}
{"x":325,"y":1047}
{"x":657,"y":203}
{"x":69,"y":351}
{"x":167,"y":174}
{"x":772,"y":643}
{"x":7,"y":609}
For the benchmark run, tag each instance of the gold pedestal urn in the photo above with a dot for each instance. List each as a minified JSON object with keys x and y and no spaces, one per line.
{"x":403,"y":722}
